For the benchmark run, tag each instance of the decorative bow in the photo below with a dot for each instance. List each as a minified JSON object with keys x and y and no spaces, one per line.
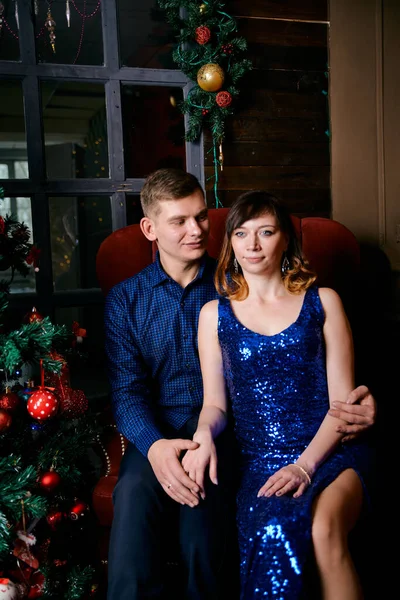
{"x":78,"y":332}
{"x":33,"y":257}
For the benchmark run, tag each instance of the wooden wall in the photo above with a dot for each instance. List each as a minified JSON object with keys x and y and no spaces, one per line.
{"x":277,"y":138}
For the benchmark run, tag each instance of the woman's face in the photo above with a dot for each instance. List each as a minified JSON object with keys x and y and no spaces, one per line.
{"x":259,"y":244}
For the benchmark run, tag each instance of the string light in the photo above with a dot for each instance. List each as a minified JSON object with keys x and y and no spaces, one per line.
{"x":82,"y":14}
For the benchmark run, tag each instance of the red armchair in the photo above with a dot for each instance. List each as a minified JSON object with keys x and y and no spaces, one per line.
{"x":329,"y":246}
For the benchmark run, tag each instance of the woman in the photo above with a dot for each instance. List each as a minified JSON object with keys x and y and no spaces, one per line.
{"x":280,"y":350}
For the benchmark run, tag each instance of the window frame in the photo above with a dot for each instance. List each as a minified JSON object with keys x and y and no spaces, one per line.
{"x":38,"y":187}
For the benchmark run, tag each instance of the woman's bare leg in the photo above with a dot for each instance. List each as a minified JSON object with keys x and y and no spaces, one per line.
{"x":335,"y":512}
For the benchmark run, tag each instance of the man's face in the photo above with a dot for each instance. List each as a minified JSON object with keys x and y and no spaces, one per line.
{"x":181,"y":228}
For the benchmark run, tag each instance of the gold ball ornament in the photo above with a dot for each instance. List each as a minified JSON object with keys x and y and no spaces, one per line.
{"x":210,"y":77}
{"x":203,"y":9}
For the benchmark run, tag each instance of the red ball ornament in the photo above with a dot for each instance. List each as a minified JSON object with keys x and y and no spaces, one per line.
{"x":5,"y":420}
{"x":73,"y":403}
{"x":80,"y":509}
{"x":223,"y":99}
{"x":9,"y":400}
{"x":54,"y":518}
{"x":49,"y":481}
{"x":203,"y":35}
{"x":33,"y":316}
{"x":42,"y":404}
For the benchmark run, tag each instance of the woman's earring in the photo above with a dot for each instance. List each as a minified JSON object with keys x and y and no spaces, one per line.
{"x":235,"y":266}
{"x":285,"y":265}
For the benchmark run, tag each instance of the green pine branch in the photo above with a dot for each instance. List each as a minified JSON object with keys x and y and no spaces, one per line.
{"x":67,"y":446}
{"x":16,"y":483}
{"x":30,"y":343}
{"x":224,"y":48}
{"x":71,"y":584}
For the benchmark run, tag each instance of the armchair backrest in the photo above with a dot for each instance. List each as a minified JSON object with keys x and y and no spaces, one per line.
{"x":330,"y":247}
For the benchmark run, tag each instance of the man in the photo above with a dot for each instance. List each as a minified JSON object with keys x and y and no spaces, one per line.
{"x":151,"y":344}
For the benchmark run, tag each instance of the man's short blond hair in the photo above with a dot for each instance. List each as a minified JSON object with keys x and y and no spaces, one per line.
{"x":167,"y":184}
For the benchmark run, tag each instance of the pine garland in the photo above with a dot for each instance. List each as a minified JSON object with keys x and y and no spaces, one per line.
{"x":207,"y":38}
{"x":16,"y":252}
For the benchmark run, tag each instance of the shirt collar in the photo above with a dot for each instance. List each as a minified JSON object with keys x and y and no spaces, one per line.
{"x":160,"y":275}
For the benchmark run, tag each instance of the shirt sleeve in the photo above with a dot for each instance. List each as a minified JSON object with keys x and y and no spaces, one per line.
{"x":128,"y":376}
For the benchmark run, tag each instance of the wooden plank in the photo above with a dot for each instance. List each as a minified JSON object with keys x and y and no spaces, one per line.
{"x":299,"y":202}
{"x":311,"y":10}
{"x":243,"y":128}
{"x":271,"y":104}
{"x":288,"y":57}
{"x":267,"y":177}
{"x":262,"y":153}
{"x":283,"y":33}
{"x":298,"y":81}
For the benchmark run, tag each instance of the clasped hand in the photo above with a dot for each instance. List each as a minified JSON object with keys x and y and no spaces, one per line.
{"x":195,"y":462}
{"x":288,"y":479}
{"x":164,"y":457}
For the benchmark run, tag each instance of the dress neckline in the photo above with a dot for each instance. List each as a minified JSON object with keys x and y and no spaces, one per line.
{"x":295,"y":322}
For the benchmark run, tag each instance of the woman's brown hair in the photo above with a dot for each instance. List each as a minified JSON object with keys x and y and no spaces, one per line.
{"x":250,"y":205}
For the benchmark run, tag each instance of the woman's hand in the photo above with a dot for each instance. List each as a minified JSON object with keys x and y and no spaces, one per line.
{"x":195,"y":462}
{"x":291,"y":478}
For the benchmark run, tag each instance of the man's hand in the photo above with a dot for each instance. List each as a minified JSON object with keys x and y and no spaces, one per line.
{"x":164,"y":456}
{"x":359,"y":411}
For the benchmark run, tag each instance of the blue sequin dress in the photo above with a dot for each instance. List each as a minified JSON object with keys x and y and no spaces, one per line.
{"x":278,"y":391}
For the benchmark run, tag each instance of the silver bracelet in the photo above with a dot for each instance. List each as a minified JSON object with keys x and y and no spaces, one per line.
{"x":304,"y":471}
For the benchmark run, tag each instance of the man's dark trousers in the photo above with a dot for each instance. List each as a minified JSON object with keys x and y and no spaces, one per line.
{"x":148,"y":525}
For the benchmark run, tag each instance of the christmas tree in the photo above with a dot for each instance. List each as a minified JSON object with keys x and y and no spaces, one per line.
{"x":47,"y":431}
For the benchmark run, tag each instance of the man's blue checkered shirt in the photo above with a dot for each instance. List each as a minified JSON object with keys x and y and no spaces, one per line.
{"x":151,"y":345}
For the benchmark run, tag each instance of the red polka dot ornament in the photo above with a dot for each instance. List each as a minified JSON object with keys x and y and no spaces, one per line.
{"x":42,"y":404}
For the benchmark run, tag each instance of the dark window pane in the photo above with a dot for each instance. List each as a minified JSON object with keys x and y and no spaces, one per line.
{"x":20,"y":208}
{"x":12,"y":131}
{"x":80,"y":43}
{"x":9,"y":46}
{"x":145,"y":39}
{"x":75,"y":130}
{"x":77,"y":228}
{"x":89,"y":374}
{"x":153,"y":129}
{"x":133,"y":209}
